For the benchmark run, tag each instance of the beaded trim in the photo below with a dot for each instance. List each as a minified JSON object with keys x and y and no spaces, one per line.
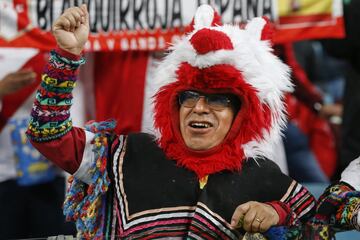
{"x":65,"y":62}
{"x":85,"y":204}
{"x":50,"y":116}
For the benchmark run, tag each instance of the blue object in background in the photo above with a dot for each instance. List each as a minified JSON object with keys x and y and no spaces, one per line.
{"x":302,"y":163}
{"x":32,"y":167}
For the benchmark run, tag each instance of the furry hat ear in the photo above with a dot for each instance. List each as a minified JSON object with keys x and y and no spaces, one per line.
{"x":261,"y":28}
{"x":205,"y":16}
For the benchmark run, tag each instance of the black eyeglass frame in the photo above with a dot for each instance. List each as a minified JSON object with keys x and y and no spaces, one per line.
{"x":215,"y":101}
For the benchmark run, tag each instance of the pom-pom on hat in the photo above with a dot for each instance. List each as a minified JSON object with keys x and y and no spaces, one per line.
{"x":223,"y":58}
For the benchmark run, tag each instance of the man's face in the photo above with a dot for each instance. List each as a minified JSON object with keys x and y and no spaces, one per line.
{"x":203,"y":127}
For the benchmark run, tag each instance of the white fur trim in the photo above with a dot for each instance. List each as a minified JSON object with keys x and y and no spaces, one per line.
{"x":255,"y":27}
{"x":351,"y":174}
{"x":87,"y":161}
{"x":280,"y":158}
{"x":204,"y":16}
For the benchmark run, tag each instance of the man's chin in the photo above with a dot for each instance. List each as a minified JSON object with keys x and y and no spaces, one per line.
{"x":198,"y":145}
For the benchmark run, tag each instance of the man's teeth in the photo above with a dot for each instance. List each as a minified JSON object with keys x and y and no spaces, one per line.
{"x":200,"y":125}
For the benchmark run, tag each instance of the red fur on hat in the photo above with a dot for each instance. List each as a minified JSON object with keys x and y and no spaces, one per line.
{"x":206,"y":40}
{"x":251,"y":120}
{"x":268,"y":30}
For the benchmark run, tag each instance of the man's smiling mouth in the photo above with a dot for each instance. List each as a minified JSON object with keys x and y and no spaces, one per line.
{"x":201,"y":125}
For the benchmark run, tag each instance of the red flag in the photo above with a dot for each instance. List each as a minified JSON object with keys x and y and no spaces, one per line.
{"x":119,"y":88}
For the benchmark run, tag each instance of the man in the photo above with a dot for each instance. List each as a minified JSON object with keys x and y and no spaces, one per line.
{"x":205,"y":174}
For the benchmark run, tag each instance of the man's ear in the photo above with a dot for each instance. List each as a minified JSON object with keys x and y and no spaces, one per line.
{"x":261,"y":28}
{"x":205,"y":16}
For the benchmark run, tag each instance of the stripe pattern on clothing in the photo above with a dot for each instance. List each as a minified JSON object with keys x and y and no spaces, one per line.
{"x":300,"y":201}
{"x":192,"y":222}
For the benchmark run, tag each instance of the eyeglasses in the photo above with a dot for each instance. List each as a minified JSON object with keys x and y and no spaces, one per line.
{"x":214,"y":101}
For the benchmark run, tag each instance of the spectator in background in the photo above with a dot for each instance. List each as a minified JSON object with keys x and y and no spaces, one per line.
{"x":31,"y":189}
{"x":309,"y":141}
{"x":349,"y":50}
{"x":324,"y":71}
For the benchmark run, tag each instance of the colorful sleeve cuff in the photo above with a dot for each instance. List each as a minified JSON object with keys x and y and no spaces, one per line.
{"x":67,"y":54}
{"x":283,"y":210}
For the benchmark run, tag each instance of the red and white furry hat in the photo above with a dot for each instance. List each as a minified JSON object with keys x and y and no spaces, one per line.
{"x":228,"y":59}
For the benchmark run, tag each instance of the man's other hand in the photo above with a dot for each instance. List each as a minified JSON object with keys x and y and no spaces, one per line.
{"x":254,"y":217}
{"x":15,"y":81}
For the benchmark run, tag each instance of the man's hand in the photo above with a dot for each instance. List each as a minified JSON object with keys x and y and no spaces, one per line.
{"x":254,"y":217}
{"x":71,"y":29}
{"x":330,"y":110}
{"x":15,"y":81}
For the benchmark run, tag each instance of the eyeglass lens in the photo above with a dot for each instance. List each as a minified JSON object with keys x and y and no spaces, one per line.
{"x":215,"y":101}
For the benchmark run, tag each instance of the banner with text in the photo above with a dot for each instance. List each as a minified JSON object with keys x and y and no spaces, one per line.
{"x":152,"y":24}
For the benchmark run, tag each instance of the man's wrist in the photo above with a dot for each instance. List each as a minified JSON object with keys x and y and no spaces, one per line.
{"x":282,"y":210}
{"x":69,"y":59}
{"x":67,"y":54}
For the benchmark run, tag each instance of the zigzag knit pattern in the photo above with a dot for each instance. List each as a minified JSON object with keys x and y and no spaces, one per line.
{"x":50,"y":115}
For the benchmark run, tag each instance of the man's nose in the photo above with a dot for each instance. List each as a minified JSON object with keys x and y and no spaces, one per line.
{"x":201,"y":106}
